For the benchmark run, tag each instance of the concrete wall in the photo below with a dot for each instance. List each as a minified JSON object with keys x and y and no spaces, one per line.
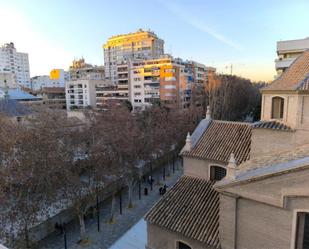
{"x":265,"y":212}
{"x":227,"y":221}
{"x":259,"y":226}
{"x":198,"y":167}
{"x":161,"y":238}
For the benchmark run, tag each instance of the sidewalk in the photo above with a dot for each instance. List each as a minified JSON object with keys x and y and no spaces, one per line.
{"x":110,"y":233}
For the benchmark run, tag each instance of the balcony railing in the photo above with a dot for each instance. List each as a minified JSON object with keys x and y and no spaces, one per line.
{"x":284,"y":63}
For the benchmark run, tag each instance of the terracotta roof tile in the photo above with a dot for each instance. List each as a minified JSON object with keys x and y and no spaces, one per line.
{"x":220,"y":139}
{"x":296,"y":77}
{"x":274,"y":125}
{"x":190,"y":207}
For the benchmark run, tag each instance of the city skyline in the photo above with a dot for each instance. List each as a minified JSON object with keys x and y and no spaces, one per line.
{"x":53,"y":34}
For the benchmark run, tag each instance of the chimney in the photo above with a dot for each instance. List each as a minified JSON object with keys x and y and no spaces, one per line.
{"x":231,"y":168}
{"x":188,"y":145}
{"x":208,"y":113}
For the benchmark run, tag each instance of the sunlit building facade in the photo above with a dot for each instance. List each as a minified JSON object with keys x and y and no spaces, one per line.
{"x":121,"y":49}
{"x":164,"y":80}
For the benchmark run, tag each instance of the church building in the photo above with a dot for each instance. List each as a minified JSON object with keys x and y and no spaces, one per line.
{"x":245,"y":185}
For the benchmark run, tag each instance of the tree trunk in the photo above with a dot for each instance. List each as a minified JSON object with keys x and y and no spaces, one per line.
{"x":111,"y":219}
{"x":82,"y":227}
{"x":98,"y":213}
{"x":130,"y":190}
{"x":27,"y":237}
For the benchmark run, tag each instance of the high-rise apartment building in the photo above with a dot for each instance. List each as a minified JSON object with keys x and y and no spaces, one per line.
{"x":288,"y":51}
{"x":121,"y":49}
{"x":16,"y":63}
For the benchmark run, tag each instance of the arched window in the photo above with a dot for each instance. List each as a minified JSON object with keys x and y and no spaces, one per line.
{"x":182,"y":245}
{"x":277,"y":107}
{"x":217,"y":173}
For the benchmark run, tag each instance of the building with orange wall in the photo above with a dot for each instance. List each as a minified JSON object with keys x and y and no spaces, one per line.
{"x":164,"y":80}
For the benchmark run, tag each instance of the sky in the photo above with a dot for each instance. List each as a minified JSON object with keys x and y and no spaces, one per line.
{"x":226,"y":34}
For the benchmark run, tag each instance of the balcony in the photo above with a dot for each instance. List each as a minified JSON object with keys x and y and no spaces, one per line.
{"x":283,"y":63}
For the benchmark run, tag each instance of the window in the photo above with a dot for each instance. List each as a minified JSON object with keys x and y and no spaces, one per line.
{"x":169,"y":87}
{"x":277,"y":108}
{"x":182,"y":245}
{"x":169,"y":78}
{"x":217,"y":173}
{"x":302,"y":232}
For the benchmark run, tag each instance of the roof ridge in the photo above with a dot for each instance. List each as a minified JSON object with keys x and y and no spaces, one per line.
{"x":231,"y":122}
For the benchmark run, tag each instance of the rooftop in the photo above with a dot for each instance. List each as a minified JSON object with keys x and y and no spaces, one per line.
{"x":190,"y":207}
{"x":273,"y":124}
{"x":296,"y":77}
{"x":216,"y":140}
{"x":18,"y":94}
{"x":53,"y":90}
{"x":293,"y":45}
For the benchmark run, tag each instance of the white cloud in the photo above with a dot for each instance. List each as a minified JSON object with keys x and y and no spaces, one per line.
{"x":44,"y":55}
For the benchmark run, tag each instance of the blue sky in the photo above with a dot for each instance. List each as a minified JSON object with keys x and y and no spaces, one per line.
{"x":218,"y":33}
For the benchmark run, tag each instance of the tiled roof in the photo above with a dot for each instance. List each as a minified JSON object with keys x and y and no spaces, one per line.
{"x":275,"y":125}
{"x":295,"y":77}
{"x":190,"y":207}
{"x":220,"y":139}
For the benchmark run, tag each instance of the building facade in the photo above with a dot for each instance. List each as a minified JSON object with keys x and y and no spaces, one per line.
{"x":164,"y":80}
{"x":82,"y":70}
{"x":56,"y":78}
{"x":16,"y":63}
{"x":288,"y":51}
{"x":81,"y":93}
{"x":121,"y":49}
{"x":244,"y":185}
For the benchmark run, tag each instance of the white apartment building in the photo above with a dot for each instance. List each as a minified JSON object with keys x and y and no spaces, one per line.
{"x":57,"y":78}
{"x":16,"y":63}
{"x":81,"y":93}
{"x":288,"y":51}
{"x":123,"y":48}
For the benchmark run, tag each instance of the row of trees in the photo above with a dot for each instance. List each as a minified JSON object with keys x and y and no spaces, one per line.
{"x":51,"y":162}
{"x":230,"y":97}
